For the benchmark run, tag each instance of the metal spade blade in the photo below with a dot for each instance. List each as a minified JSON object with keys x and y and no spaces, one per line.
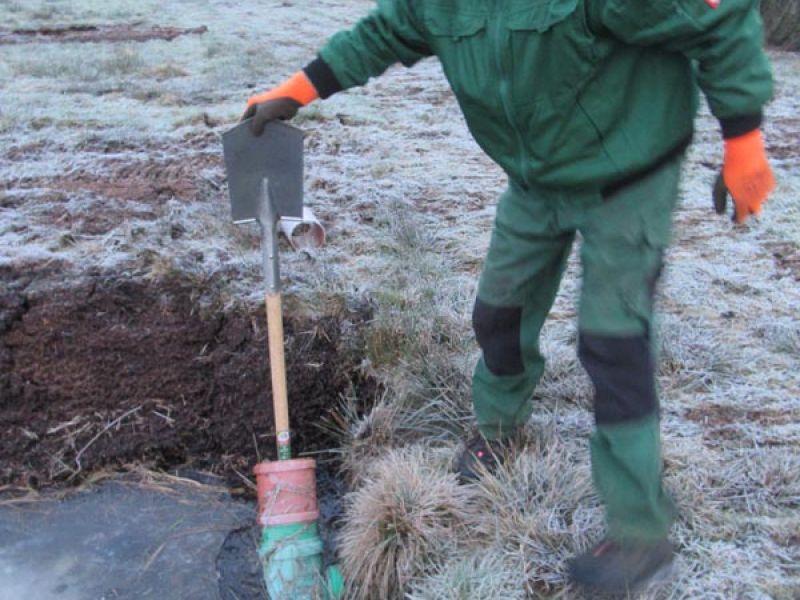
{"x":276,"y":155}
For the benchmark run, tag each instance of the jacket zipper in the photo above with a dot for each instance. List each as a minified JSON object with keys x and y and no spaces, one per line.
{"x":505,"y":90}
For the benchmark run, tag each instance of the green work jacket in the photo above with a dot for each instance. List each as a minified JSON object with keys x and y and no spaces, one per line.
{"x":573,"y":93}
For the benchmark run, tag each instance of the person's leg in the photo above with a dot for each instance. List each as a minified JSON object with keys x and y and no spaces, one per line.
{"x":625,"y":237}
{"x":520,"y":278}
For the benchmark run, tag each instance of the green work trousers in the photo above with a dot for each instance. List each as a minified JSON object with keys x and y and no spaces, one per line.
{"x":624,"y":235}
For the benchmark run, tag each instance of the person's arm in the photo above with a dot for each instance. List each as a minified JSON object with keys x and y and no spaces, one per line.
{"x":389,"y":34}
{"x":725,"y":38}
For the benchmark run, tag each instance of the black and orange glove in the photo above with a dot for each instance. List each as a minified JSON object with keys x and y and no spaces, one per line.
{"x":746,"y":174}
{"x":281,"y":102}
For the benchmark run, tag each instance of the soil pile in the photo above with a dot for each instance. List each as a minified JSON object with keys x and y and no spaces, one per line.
{"x":116,"y":371}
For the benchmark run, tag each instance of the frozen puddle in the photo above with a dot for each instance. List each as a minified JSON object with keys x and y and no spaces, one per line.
{"x":123,"y":539}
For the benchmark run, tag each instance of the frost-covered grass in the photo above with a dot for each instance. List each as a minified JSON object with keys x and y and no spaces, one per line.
{"x":407,"y":198}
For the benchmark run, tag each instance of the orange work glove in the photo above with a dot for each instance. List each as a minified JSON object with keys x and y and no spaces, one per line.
{"x":747,"y":173}
{"x":281,"y":102}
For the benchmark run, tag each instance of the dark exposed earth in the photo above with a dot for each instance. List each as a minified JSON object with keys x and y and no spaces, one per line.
{"x":108,"y":378}
{"x":112,"y":371}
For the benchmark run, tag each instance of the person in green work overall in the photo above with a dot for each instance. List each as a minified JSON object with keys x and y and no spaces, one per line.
{"x":588,"y":106}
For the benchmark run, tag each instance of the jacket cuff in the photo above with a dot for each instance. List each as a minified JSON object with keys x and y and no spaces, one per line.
{"x":322,"y":78}
{"x":736,"y":126}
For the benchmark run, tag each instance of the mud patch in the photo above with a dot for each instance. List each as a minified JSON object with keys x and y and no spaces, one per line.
{"x":113,"y":372}
{"x":782,"y":139}
{"x":124,"y":183}
{"x":729,"y":424}
{"x":130,"y":179}
{"x":96,"y":33}
{"x":96,"y":217}
{"x":716,"y":415}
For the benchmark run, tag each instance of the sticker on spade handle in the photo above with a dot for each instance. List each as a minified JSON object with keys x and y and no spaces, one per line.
{"x":284,"y":445}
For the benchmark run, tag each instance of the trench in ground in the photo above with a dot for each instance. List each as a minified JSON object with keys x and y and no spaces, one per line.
{"x":113,"y":372}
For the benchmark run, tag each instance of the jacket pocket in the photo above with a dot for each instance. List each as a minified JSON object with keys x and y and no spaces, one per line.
{"x":457,"y":33}
{"x":552,"y":49}
{"x":446,"y":20}
{"x":539,"y":15}
{"x":552,"y":55}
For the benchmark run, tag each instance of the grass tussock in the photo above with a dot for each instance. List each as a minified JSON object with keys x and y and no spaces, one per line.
{"x":539,"y":509}
{"x":432,"y":404}
{"x":408,"y":514}
{"x":363,"y":436}
{"x":480,"y":574}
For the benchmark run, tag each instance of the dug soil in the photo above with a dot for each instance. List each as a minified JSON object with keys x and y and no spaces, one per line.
{"x":112,"y":372}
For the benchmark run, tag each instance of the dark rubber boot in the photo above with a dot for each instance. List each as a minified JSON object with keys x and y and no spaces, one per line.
{"x":480,"y":456}
{"x":621,"y":567}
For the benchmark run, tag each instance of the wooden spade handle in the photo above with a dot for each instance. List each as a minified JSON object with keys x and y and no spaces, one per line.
{"x":277,"y":363}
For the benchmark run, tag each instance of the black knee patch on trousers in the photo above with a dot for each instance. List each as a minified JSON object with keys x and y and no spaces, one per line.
{"x":622,"y":371}
{"x":498,"y":331}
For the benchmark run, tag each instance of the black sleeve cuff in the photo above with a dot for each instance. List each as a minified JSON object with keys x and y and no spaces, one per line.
{"x":322,"y":78}
{"x":737,"y":126}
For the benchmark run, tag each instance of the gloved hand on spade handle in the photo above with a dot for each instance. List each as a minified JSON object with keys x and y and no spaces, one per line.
{"x":281,"y":102}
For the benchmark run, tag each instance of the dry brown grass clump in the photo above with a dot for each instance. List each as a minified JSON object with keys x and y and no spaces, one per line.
{"x":540,"y":508}
{"x":431,"y":404}
{"x":484,"y":573}
{"x":409,"y":514}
